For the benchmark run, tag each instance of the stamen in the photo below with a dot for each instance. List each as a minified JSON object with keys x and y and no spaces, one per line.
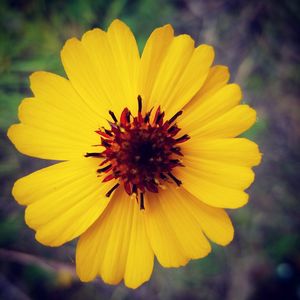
{"x":173,"y":130}
{"x":176,"y":180}
{"x":183,"y":138}
{"x":104,"y":162}
{"x":108,"y":132}
{"x":112,"y":189}
{"x":163,"y":176}
{"x":159,"y":118}
{"x":175,"y":161}
{"x":176,"y":150}
{"x":134,"y":189}
{"x":93,"y":154}
{"x":147,"y":117}
{"x":125,"y":117}
{"x":107,"y":168}
{"x":108,"y":177}
{"x":179,"y":113}
{"x":128,"y":116}
{"x":105,"y":143}
{"x":113,"y":116}
{"x":104,"y":134}
{"x":139,"y":103}
{"x":157,"y":113}
{"x":142,"y":206}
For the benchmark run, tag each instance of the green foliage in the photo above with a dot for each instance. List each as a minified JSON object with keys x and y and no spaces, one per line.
{"x":9,"y":228}
{"x":33,"y":33}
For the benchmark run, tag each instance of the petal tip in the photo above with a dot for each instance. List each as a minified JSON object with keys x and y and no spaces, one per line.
{"x":72,"y":42}
{"x":45,"y":241}
{"x":259,"y":157}
{"x":83,"y":275}
{"x":242,"y":202}
{"x":134,"y":284}
{"x":11,"y":132}
{"x":108,"y":279}
{"x":15,"y":191}
{"x":117,"y":24}
{"x":36,"y":76}
{"x":91,"y":33}
{"x":168,"y":27}
{"x":208,"y":49}
{"x":229,"y":237}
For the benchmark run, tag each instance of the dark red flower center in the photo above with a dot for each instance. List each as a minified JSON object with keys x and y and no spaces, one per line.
{"x":140,"y":152}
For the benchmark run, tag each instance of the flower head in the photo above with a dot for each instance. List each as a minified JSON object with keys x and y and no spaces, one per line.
{"x":149,"y":150}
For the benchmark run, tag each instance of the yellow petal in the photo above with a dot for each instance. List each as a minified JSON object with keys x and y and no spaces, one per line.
{"x":35,"y":113}
{"x":210,"y":192}
{"x":191,"y":79}
{"x":58,"y":195}
{"x":153,"y":55}
{"x":116,"y":246}
{"x":50,"y":133}
{"x":174,"y":234}
{"x":211,"y":107}
{"x":83,"y":73}
{"x":178,"y":69}
{"x":236,"y":151}
{"x":58,"y":92}
{"x":214,"y":221}
{"x":97,"y":47}
{"x":170,"y":72}
{"x":232,"y":123}
{"x":218,"y":76}
{"x":140,"y":257}
{"x":127,"y":61}
{"x":233,"y":176}
{"x":116,"y":59}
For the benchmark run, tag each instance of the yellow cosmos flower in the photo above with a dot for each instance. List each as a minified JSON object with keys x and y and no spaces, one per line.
{"x":150,"y":158}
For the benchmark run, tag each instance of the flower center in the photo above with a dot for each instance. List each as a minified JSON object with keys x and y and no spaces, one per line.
{"x":140,"y":153}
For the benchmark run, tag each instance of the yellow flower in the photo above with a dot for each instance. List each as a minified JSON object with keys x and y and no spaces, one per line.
{"x":150,"y":158}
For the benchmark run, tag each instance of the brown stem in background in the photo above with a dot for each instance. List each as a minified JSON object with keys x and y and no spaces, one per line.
{"x":47,"y":264}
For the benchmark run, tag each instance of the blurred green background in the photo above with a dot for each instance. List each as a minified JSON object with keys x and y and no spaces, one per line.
{"x":259,"y":41}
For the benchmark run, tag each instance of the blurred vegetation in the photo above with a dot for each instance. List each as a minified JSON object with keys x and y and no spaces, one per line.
{"x":259,"y":40}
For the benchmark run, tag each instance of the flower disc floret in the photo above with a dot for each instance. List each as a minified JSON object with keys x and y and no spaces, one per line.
{"x":141,"y":153}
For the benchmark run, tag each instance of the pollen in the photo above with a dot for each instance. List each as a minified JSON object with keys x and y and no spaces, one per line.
{"x":140,"y":152}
